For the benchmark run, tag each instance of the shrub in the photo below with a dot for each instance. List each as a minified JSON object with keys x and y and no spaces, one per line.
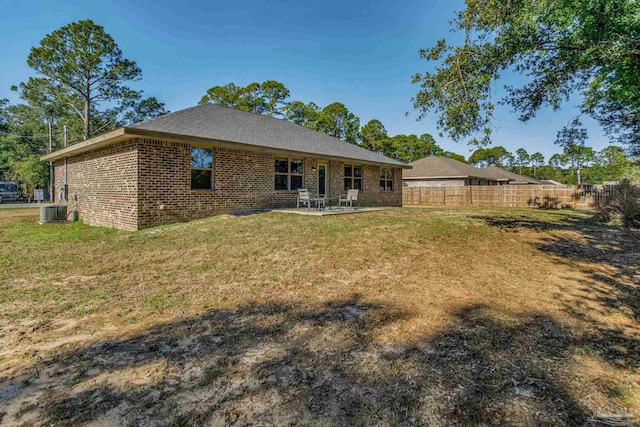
{"x":621,"y":203}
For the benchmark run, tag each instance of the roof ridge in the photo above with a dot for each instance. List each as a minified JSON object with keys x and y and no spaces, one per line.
{"x":234,"y":125}
{"x":171,"y":113}
{"x":509,"y":174}
{"x":284,"y":120}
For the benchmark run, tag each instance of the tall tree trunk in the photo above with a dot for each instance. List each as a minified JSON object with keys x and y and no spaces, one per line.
{"x":87,"y":102}
{"x":579,"y":174}
{"x":87,"y":119}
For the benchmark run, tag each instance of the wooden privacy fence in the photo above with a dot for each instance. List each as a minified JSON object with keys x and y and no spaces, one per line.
{"x":513,"y":196}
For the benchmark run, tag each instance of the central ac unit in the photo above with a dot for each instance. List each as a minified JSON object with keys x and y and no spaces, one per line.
{"x":53,"y":213}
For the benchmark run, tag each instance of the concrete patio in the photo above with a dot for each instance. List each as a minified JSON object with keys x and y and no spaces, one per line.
{"x":323,"y":212}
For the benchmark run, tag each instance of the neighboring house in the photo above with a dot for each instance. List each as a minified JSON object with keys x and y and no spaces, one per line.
{"x":550,"y":182}
{"x":436,"y":171}
{"x":512,"y":178}
{"x":211,"y":159}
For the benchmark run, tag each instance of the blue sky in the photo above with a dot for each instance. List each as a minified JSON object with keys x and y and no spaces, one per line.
{"x":360,"y":53}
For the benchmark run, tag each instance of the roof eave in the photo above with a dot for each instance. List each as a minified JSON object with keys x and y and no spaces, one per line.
{"x":455,"y":177}
{"x":94,"y":143}
{"x":126,"y":133}
{"x":436,"y":177}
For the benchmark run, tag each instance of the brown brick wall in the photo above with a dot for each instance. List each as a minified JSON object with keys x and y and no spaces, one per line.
{"x":105,"y":183}
{"x":370,"y":194}
{"x":144,"y":183}
{"x":243,"y":180}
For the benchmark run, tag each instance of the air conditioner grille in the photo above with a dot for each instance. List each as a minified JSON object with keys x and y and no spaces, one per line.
{"x":53,"y":213}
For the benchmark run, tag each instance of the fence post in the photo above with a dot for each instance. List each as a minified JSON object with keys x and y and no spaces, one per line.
{"x":502,"y":195}
{"x":444,"y":196}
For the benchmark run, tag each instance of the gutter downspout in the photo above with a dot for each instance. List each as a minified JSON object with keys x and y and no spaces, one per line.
{"x":52,"y":196}
{"x":65,"y":166}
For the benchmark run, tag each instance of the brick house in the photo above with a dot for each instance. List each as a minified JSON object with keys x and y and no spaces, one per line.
{"x":437,"y":171}
{"x":513,"y":178}
{"x":210,"y":159}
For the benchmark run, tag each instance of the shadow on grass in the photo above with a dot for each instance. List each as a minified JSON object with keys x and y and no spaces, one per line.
{"x":609,"y":286}
{"x":517,"y":222}
{"x":278,"y":365}
{"x":609,"y":256}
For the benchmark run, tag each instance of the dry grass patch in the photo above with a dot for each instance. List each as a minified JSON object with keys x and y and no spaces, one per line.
{"x":405,"y":316}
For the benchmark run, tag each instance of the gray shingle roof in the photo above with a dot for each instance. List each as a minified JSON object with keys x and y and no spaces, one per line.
{"x":228,"y":124}
{"x":497,"y":172}
{"x":441,"y":167}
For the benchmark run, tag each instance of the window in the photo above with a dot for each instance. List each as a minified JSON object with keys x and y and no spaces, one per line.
{"x":289,"y":174}
{"x":201,"y":169}
{"x":352,"y":177}
{"x":9,"y":187}
{"x":386,"y":179}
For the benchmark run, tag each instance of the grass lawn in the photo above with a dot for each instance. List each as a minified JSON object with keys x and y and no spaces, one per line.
{"x":398,"y":317}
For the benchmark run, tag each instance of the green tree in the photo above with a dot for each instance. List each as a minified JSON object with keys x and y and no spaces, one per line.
{"x":30,"y":172}
{"x":269,"y":98}
{"x":302,"y":114}
{"x":337,"y":121}
{"x":373,"y":135}
{"x":557,"y":161}
{"x":573,"y":138}
{"x":141,"y":110}
{"x":408,"y":148}
{"x":252,"y":100}
{"x":555,"y":164}
{"x":498,"y":156}
{"x":484,"y":157}
{"x":537,"y":160}
{"x":82,"y":66}
{"x":248,"y":98}
{"x":22,"y":141}
{"x":266,"y":98}
{"x":228,"y":95}
{"x":509,"y":161}
{"x":4,"y":120}
{"x":522,"y":159}
{"x":561,"y":48}
{"x":611,"y":164}
{"x":578,"y":156}
{"x":479,"y":157}
{"x":275,"y":95}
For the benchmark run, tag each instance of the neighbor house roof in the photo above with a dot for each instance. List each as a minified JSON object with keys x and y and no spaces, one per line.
{"x":499,"y":173}
{"x":436,"y":167}
{"x":236,"y":129}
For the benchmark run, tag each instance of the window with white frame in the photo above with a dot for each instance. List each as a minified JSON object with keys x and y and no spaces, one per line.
{"x":386,"y":179}
{"x":289,"y":174}
{"x":201,"y":169}
{"x":352,"y":177}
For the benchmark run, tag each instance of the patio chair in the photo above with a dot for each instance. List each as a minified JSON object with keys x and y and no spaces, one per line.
{"x":304,"y":196}
{"x":352,"y":196}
